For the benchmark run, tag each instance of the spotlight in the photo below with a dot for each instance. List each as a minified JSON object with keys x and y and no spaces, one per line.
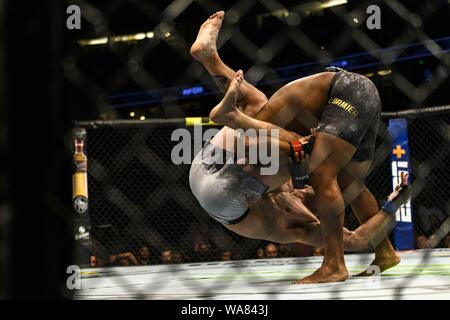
{"x":139,"y":36}
{"x":132,"y":114}
{"x":142,"y":118}
{"x":93,"y":42}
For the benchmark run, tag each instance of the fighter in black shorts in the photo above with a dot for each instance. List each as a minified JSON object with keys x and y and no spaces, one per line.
{"x":344,"y":106}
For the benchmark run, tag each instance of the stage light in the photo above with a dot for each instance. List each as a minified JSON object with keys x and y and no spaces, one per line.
{"x":93,"y":42}
{"x":120,"y":38}
{"x":332,"y":3}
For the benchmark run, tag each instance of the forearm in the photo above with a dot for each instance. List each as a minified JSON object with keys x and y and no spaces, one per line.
{"x":369,"y":234}
{"x":252,"y":127}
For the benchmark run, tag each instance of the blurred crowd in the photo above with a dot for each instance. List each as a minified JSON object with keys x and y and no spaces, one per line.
{"x":147,"y":255}
{"x":434,"y":228}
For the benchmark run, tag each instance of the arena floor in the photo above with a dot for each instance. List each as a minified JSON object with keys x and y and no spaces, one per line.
{"x":422,"y":274}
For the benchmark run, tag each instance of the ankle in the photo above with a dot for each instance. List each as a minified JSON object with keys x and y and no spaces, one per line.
{"x":212,"y":62}
{"x":332,"y":266}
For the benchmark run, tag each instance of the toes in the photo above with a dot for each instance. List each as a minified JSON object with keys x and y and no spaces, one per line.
{"x":218,"y":14}
{"x":301,"y":281}
{"x":240,"y":76}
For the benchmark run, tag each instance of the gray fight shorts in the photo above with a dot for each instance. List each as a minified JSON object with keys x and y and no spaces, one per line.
{"x":224,"y":191}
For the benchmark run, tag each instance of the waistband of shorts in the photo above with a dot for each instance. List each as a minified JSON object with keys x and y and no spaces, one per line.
{"x":334,"y":79}
{"x":241,"y":218}
{"x":254,"y":184}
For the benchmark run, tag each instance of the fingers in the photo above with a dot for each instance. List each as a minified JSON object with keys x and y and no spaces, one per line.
{"x":404,"y":178}
{"x":299,"y":157}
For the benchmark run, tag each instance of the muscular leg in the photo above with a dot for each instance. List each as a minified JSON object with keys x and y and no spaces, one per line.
{"x":329,"y":156}
{"x":365,"y":206}
{"x":204,"y":50}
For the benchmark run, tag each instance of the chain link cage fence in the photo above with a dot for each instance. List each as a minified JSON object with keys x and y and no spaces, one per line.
{"x":138,"y":196}
{"x":142,"y":70}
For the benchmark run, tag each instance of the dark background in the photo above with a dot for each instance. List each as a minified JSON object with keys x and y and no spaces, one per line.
{"x":38,"y":102}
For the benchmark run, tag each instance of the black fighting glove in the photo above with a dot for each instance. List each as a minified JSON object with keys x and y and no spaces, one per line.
{"x":299,"y":173}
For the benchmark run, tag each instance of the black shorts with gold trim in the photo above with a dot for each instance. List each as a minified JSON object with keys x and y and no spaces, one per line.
{"x":353,"y":112}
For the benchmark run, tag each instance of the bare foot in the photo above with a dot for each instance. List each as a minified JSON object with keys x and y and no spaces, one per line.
{"x":324,"y":274}
{"x":204,"y":47}
{"x":224,"y":112}
{"x":382,"y":261}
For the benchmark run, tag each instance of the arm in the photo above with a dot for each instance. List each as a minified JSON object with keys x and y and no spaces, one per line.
{"x":374,"y":230}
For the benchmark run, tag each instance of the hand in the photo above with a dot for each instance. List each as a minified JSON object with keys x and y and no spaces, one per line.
{"x":401,"y":193}
{"x":298,"y":158}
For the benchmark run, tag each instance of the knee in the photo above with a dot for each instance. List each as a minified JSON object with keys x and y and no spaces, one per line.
{"x":324,"y":183}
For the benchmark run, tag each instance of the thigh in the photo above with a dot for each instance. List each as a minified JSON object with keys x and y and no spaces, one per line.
{"x":329,"y":156}
{"x":288,"y":102}
{"x":278,"y":109}
{"x":298,"y":102}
